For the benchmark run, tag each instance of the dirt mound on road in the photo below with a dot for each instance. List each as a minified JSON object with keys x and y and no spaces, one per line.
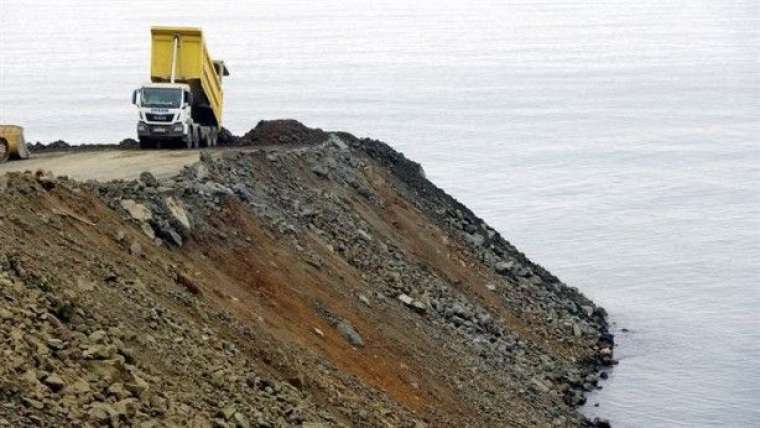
{"x":63,"y":146}
{"x":284,"y":131}
{"x":330,"y":285}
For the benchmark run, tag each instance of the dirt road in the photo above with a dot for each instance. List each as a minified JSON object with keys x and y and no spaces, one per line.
{"x":107,"y":165}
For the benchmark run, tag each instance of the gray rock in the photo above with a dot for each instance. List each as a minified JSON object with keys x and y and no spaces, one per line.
{"x":138,"y":211}
{"x":459,"y":310}
{"x":98,"y":352}
{"x":504,"y":267}
{"x":148,"y":231}
{"x":414,"y":304}
{"x":213,"y":189}
{"x":35,"y":404}
{"x":348,"y":332}
{"x":240,"y":420}
{"x":219,"y":423}
{"x":320,"y":171}
{"x":148,"y":179}
{"x":457,"y":320}
{"x":226,"y":413}
{"x":242,"y":192}
{"x":405,"y":299}
{"x":589,"y":310}
{"x":102,"y":412}
{"x":540,"y":386}
{"x":54,"y":382}
{"x":577,"y":332}
{"x":98,"y":336}
{"x":135,"y":249}
{"x":336,"y":142}
{"x":475,"y":239}
{"x":177,"y":210}
{"x":601,"y":423}
{"x":200,"y":171}
{"x":55,"y":344}
{"x":364,"y":235}
{"x":419,"y":306}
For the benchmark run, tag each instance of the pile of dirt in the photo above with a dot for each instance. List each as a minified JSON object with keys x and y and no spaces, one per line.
{"x":55,"y":146}
{"x":284,"y":131}
{"x":227,"y":138}
{"x":320,"y":280}
{"x":63,"y":146}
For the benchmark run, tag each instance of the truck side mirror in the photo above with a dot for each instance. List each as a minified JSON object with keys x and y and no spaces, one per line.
{"x":189,"y":97}
{"x":134,"y":97}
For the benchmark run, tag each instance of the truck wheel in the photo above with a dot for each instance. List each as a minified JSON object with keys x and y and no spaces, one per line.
{"x":147,"y":144}
{"x":197,"y":138}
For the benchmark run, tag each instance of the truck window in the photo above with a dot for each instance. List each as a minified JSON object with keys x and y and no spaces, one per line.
{"x":161,"y":97}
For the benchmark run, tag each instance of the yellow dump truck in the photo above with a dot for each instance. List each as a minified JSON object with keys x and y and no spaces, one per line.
{"x":12,"y":143}
{"x":184,"y":101}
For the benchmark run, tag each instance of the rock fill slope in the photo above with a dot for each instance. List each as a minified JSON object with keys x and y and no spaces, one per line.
{"x":300,"y":278}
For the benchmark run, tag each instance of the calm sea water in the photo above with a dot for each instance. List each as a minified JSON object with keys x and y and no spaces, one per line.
{"x":615,"y":142}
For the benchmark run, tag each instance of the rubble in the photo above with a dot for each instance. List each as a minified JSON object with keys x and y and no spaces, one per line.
{"x":308,"y":255}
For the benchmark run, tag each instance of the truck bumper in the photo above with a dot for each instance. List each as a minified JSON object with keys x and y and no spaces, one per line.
{"x":163,"y":131}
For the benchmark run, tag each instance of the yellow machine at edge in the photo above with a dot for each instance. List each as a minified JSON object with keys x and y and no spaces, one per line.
{"x":12,"y":143}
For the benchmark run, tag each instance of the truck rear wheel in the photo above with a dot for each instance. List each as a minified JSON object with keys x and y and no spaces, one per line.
{"x":196,"y":138}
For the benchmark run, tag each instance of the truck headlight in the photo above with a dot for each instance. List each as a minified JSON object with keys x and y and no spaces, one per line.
{"x":178,"y":127}
{"x":141,"y":127}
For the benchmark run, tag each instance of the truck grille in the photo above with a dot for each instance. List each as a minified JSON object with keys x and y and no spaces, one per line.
{"x":159,"y":117}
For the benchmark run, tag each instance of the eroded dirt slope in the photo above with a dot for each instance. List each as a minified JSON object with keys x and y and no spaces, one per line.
{"x":319,"y":280}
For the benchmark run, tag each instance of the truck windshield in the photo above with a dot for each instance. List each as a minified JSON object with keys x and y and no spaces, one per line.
{"x":161,"y":97}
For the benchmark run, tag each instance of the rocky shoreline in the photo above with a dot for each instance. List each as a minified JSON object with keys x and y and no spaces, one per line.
{"x":345,"y":252}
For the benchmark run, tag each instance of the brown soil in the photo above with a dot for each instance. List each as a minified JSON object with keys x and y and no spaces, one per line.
{"x":243,"y":316}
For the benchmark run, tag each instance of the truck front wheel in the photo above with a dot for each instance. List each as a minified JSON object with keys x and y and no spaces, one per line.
{"x":196,"y":138}
{"x":147,"y":144}
{"x":188,"y":140}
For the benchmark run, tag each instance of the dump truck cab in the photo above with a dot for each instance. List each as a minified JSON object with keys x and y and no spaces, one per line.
{"x":165,"y":113}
